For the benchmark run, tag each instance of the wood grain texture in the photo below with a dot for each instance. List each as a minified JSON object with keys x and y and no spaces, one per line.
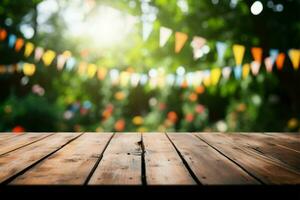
{"x":260,"y":166}
{"x":209,"y":166}
{"x":75,"y":162}
{"x":5,"y":136}
{"x":121,"y":162}
{"x":19,"y":141}
{"x":163,"y":164}
{"x":274,"y":151}
{"x":16,"y":161}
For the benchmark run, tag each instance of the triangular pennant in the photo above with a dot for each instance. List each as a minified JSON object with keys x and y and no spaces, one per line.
{"x":221,"y":48}
{"x":257,"y":54}
{"x":238,"y":72}
{"x":273,"y":55}
{"x":48,"y":57}
{"x":12,"y":40}
{"x":147,"y":29}
{"x":294,"y":55}
{"x":280,"y":61}
{"x":124,"y":78}
{"x":269,"y":64}
{"x":197,"y":44}
{"x":180,"y":40}
{"x":255,"y":66}
{"x":19,"y":44}
{"x":102,"y":71}
{"x":62,"y":58}
{"x":226,"y":71}
{"x":215,"y":76}
{"x":246,"y":70}
{"x":39,"y":51}
{"x":238,"y":52}
{"x":71,"y":62}
{"x":206,"y":78}
{"x":82,"y":68}
{"x":164,"y":35}
{"x":28,"y":69}
{"x":3,"y":34}
{"x":28,"y":49}
{"x":91,"y":70}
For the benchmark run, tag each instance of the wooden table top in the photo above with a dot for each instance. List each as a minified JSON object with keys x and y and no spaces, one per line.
{"x":149,"y":158}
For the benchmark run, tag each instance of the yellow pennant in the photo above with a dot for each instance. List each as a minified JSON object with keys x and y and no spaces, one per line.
{"x":28,"y":69}
{"x":48,"y":57}
{"x":28,"y":49}
{"x":180,"y":40}
{"x":19,"y":44}
{"x":238,"y":52}
{"x":245,"y":70}
{"x":124,"y":78}
{"x":215,"y":76}
{"x":207,"y":80}
{"x":102,"y":71}
{"x":91,"y":70}
{"x":294,"y":55}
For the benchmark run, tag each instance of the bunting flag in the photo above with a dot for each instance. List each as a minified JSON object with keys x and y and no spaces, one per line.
{"x":280,"y":61}
{"x":91,"y":70}
{"x":48,"y":57}
{"x":221,"y":48}
{"x":62,"y":59}
{"x":238,"y":52}
{"x":19,"y":44}
{"x":269,"y":64}
{"x":124,"y":78}
{"x":102,"y":71}
{"x":180,"y":40}
{"x":197,"y":44}
{"x":39,"y":51}
{"x":12,"y":40}
{"x":147,"y":29}
{"x":273,"y":55}
{"x":226,"y":71}
{"x":29,"y":47}
{"x":82,"y":68}
{"x":164,"y":35}
{"x":245,"y":70}
{"x":238,"y":72}
{"x":28,"y":69}
{"x":206,"y":78}
{"x":3,"y":34}
{"x":255,"y":66}
{"x":294,"y":55}
{"x":215,"y":76}
{"x":70,"y":64}
{"x":257,"y":54}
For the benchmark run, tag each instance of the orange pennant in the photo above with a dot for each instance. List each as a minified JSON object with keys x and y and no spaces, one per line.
{"x":180,"y":40}
{"x":3,"y":34}
{"x":19,"y":44}
{"x":257,"y":54}
{"x":280,"y":61}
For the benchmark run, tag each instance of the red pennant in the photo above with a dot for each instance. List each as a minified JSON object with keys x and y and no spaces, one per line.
{"x":3,"y":34}
{"x":280,"y":61}
{"x":19,"y":44}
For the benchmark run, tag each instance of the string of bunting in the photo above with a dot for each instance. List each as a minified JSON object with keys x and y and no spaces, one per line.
{"x":155,"y":78}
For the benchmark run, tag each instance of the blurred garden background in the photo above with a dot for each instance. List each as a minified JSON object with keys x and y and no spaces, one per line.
{"x":149,"y":65}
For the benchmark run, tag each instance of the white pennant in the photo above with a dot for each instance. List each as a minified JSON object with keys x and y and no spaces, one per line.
{"x":255,"y":66}
{"x":164,"y":35}
{"x":269,"y":64}
{"x":226,"y":71}
{"x":39,"y":51}
{"x":147,"y":29}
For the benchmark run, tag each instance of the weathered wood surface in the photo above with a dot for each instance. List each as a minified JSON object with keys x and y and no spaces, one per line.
{"x":149,"y":158}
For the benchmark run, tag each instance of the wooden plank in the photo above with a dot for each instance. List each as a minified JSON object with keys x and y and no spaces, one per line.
{"x":18,"y":160}
{"x":6,"y":136}
{"x":163,"y":164}
{"x":288,"y":143}
{"x":121,"y":162}
{"x":209,"y":165}
{"x":265,"y":169}
{"x":13,"y":143}
{"x":75,"y":162}
{"x":286,"y":156}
